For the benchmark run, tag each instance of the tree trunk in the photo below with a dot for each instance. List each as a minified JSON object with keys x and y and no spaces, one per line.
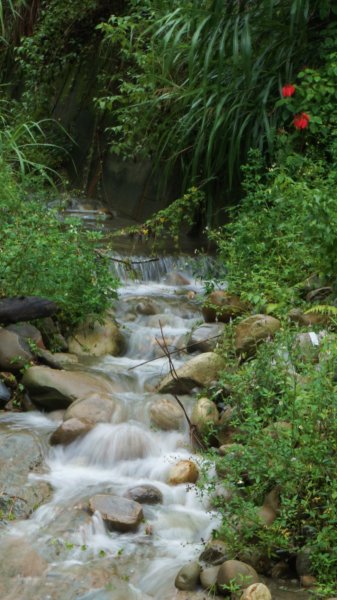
{"x":25,"y":308}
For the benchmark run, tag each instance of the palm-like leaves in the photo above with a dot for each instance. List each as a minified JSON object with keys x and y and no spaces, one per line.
{"x":211,"y":75}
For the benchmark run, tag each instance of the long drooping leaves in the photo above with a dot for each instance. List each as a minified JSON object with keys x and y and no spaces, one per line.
{"x":202,"y":78}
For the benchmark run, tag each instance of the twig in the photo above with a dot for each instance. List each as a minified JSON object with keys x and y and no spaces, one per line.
{"x":193,"y":430}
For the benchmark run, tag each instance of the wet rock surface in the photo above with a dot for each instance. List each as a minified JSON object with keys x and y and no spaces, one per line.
{"x":97,"y":339}
{"x":14,"y":351}
{"x":185,"y":471}
{"x":69,"y":431}
{"x":197,"y":372}
{"x":54,"y":389}
{"x":188,"y":576}
{"x":205,"y":337}
{"x":20,"y":456}
{"x":96,"y":408}
{"x":147,"y":521}
{"x":253,"y":330}
{"x":236,"y":572}
{"x":222,"y":306}
{"x":166,"y":414}
{"x":120,"y":514}
{"x":145,"y":494}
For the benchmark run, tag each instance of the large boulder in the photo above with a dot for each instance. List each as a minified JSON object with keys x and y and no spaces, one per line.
{"x":185,"y":471}
{"x":200,"y":371}
{"x":58,"y":389}
{"x":256,"y":591}
{"x":188,"y":576}
{"x":97,"y":339}
{"x":166,"y":414}
{"x":253,"y":330}
{"x":119,"y":514}
{"x":205,"y":337}
{"x":222,"y":306}
{"x":307,"y":345}
{"x":21,"y":559}
{"x":235,"y":572}
{"x":209,"y":576}
{"x":96,"y":408}
{"x":215,"y":553}
{"x":69,"y":431}
{"x":308,"y":319}
{"x":14,"y":351}
{"x":5,"y":394}
{"x":20,"y":455}
{"x":145,"y":494}
{"x":205,"y":416}
{"x":28,"y":332}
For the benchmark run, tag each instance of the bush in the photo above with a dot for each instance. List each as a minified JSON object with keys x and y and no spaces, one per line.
{"x":298,"y":457}
{"x":42,"y":255}
{"x":284,"y":229}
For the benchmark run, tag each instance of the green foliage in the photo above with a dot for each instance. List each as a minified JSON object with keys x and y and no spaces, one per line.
{"x":284,"y":229}
{"x":315,"y":94}
{"x":40,"y":254}
{"x":63,"y":35}
{"x":44,"y":256}
{"x":199,"y":81}
{"x":286,"y":431}
{"x":169,"y":222}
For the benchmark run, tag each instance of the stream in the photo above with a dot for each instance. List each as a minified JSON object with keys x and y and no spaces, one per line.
{"x":113,"y":458}
{"x":63,"y":552}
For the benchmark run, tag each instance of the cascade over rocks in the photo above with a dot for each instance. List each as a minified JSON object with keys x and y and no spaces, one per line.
{"x":147,"y":307}
{"x":120,"y":514}
{"x":253,"y":330}
{"x":58,"y":389}
{"x":96,"y":408}
{"x":223,"y":306}
{"x":97,"y":339}
{"x":200,"y":371}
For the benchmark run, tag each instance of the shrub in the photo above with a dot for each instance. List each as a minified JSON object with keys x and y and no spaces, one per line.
{"x":296,"y":457}
{"x":42,"y":255}
{"x":284,"y":229}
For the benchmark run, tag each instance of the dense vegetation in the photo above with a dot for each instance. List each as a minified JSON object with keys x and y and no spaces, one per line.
{"x":239,"y":100}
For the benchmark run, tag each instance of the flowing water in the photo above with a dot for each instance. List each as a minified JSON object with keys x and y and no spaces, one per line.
{"x":111,"y":459}
{"x":62,"y":552}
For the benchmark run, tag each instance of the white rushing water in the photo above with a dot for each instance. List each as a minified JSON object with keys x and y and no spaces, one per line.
{"x":114,"y":457}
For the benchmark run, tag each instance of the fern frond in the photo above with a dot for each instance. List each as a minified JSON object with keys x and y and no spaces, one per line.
{"x":323,"y":309}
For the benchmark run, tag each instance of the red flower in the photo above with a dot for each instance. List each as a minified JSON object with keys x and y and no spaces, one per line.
{"x":288,"y":90}
{"x":301,"y":121}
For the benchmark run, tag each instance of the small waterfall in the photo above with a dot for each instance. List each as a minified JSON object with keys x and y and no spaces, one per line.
{"x":116,"y":457}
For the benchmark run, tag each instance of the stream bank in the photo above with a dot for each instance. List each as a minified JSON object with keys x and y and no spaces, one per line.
{"x":56,"y":544}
